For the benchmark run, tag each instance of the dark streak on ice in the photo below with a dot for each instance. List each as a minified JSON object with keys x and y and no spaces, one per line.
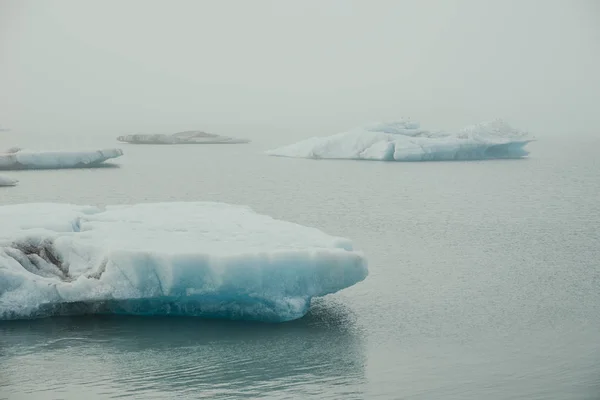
{"x":43,"y":250}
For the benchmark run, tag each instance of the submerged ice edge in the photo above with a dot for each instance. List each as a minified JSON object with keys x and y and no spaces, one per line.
{"x":243,"y":309}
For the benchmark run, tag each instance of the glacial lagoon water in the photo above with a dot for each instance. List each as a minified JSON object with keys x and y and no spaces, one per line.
{"x":483,"y":282}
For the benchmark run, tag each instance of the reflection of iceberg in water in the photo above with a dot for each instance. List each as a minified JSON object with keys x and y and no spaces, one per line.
{"x":183,"y":358}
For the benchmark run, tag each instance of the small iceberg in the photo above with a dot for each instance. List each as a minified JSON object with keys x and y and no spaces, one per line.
{"x":6,"y":181}
{"x":406,"y":141}
{"x":187,"y":259}
{"x":187,"y":137}
{"x":27,"y":159}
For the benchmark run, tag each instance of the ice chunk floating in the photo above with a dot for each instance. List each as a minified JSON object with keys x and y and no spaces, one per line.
{"x":26,"y":159}
{"x":187,"y":137}
{"x":405,"y":141}
{"x":6,"y":181}
{"x":190,"y":259}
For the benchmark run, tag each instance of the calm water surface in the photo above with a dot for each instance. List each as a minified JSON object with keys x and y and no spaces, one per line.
{"x":484,"y":282}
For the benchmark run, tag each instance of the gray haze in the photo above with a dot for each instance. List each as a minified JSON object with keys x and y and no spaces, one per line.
{"x":297,"y":68}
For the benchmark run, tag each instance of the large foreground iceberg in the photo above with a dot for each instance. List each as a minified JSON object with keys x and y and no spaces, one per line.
{"x":193,"y":259}
{"x":187,"y":137}
{"x":27,"y":159}
{"x":6,"y":181}
{"x":405,"y":141}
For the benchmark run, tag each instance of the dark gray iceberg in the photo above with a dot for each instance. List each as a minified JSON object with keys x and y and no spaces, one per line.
{"x":186,"y":137}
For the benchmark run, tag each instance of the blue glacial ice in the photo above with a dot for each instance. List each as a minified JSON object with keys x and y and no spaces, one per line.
{"x":192,"y":259}
{"x":28,"y":159}
{"x":404,"y":140}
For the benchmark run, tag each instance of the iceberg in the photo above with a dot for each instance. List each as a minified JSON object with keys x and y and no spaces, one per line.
{"x":187,"y":137}
{"x":6,"y":181}
{"x":189,"y":259}
{"x":404,"y":140}
{"x":17,"y":158}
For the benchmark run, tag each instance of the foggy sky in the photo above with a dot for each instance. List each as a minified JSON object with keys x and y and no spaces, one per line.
{"x":297,"y":68}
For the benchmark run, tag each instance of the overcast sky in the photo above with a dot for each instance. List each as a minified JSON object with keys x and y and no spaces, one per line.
{"x":300,"y":68}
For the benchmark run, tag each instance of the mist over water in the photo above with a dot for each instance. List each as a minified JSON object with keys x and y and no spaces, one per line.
{"x":483,"y":275}
{"x":288,"y":70}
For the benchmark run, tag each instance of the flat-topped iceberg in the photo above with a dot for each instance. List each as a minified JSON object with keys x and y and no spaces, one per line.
{"x":406,"y":141}
{"x":192,"y":259}
{"x":27,"y":159}
{"x":187,"y":137}
{"x":6,"y":181}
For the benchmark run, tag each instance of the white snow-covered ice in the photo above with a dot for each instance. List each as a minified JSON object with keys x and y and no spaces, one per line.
{"x":406,"y":141}
{"x":6,"y":181}
{"x":195,"y":259}
{"x":29,"y":159}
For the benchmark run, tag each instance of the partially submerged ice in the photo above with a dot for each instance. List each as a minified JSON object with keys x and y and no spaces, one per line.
{"x":28,"y":159}
{"x":186,"y":137}
{"x":406,"y":141}
{"x":190,"y":259}
{"x":6,"y":181}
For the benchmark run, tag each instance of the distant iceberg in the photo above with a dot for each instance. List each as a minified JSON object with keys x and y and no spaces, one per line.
{"x":6,"y":181}
{"x":406,"y":141}
{"x":26,"y":159}
{"x":187,"y":137}
{"x":188,"y":259}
